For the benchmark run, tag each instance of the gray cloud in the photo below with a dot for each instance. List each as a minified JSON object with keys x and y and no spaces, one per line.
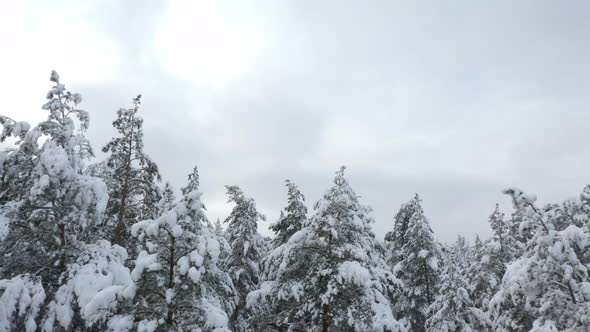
{"x":454,"y":101}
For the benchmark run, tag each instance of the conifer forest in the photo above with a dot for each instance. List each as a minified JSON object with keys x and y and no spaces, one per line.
{"x":109,"y":245}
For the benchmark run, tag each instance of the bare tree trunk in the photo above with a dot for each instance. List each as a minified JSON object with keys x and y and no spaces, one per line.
{"x":428,"y":292}
{"x":121,"y":229}
{"x":62,"y":234}
{"x":119,"y":233}
{"x":170,"y":316}
{"x":326,"y":318}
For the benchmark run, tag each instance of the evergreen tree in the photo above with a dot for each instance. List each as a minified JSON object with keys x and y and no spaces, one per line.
{"x":218,"y":228}
{"x":396,"y":239}
{"x":246,"y":250}
{"x":418,"y":269}
{"x":180,"y":284}
{"x":517,"y":236}
{"x":168,"y":199}
{"x":333,"y":278}
{"x":44,"y":262}
{"x":484,"y":273}
{"x":132,"y":188}
{"x":546,"y":289}
{"x":293,"y":218}
{"x":453,"y":310}
{"x":463,"y":253}
{"x":499,"y":228}
{"x":16,"y":164}
{"x":59,"y":202}
{"x":490,"y":259}
{"x":192,"y":183}
{"x":506,"y":237}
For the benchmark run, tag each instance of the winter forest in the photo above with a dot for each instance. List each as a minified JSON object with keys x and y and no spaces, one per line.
{"x":109,"y":246}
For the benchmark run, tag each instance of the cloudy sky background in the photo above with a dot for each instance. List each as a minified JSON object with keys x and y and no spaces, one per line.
{"x":454,"y":100}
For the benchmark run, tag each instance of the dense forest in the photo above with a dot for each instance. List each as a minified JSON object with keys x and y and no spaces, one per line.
{"x":110,"y":246}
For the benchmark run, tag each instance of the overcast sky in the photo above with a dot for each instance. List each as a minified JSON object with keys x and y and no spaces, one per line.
{"x":454,"y":100}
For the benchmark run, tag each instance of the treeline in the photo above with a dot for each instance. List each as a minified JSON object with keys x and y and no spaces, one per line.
{"x":108,"y":247}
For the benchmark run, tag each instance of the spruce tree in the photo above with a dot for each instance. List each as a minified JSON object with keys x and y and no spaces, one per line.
{"x":418,"y":269}
{"x":60,"y":202}
{"x":132,"y":188}
{"x":218,"y":228}
{"x":246,"y":250}
{"x":180,"y":284}
{"x":193,"y":182}
{"x":506,"y":237}
{"x":16,"y":163}
{"x":334,"y":278}
{"x":546,"y":289}
{"x":453,"y":309}
{"x":490,"y":259}
{"x":56,"y":279}
{"x":396,"y":239}
{"x":484,"y":273}
{"x":292,"y":218}
{"x":168,"y":199}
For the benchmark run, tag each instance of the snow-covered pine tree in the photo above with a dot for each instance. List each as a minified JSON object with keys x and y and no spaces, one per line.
{"x":218,"y":228}
{"x":505,"y":238}
{"x":418,"y":269}
{"x":193,"y":182}
{"x":477,"y":243}
{"x":132,"y":188}
{"x":463,"y":253}
{"x":55,"y":280}
{"x":396,"y":239}
{"x":548,"y":287}
{"x":292,"y":218}
{"x":16,"y":164}
{"x":168,"y":199}
{"x":484,"y":273}
{"x":180,"y":284}
{"x":489,"y":261}
{"x":246,"y":250}
{"x":499,"y":227}
{"x":333,"y":278}
{"x":453,"y":310}
{"x":59,"y":202}
{"x":517,"y":237}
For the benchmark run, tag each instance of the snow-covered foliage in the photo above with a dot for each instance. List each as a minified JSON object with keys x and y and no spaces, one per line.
{"x":396,"y":239}
{"x":180,"y":284}
{"x":332,"y":277}
{"x":93,"y":287}
{"x":488,"y":264}
{"x":292,"y":218}
{"x":453,"y":309}
{"x":168,"y":199}
{"x":21,"y":297}
{"x":45,"y":268}
{"x":133,"y":192}
{"x":548,"y":287}
{"x":192,"y":183}
{"x":172,"y":270}
{"x":246,"y":250}
{"x":418,"y":268}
